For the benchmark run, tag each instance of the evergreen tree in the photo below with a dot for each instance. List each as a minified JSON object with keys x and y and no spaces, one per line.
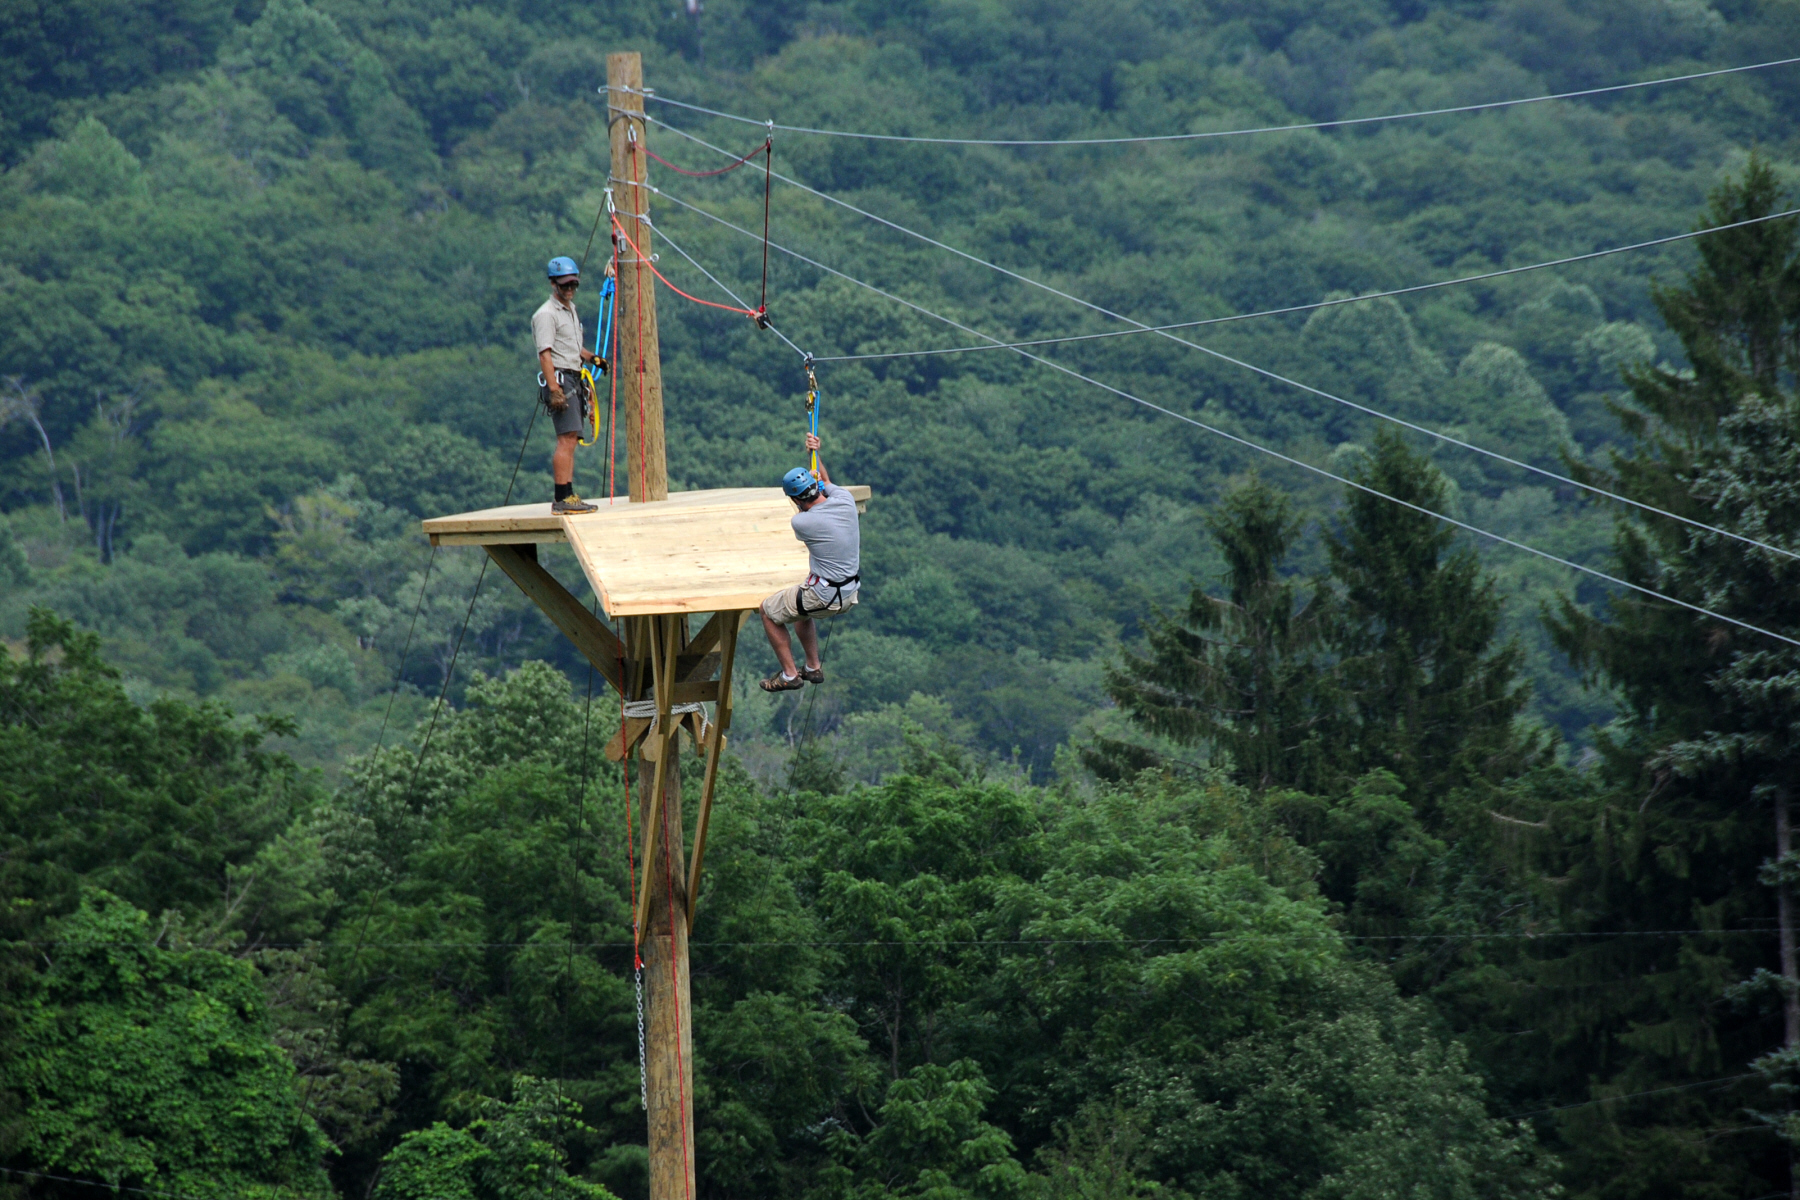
{"x":1240,"y":675}
{"x":1699,"y":772}
{"x":1434,"y":700}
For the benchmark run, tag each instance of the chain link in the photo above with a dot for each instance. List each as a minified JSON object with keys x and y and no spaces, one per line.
{"x":643,"y":1075}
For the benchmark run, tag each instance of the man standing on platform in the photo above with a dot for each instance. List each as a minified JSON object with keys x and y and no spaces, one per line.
{"x":556,"y":331}
{"x":827,"y":524}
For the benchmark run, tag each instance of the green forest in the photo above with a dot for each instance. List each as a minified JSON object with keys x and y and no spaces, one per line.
{"x":1174,"y":821}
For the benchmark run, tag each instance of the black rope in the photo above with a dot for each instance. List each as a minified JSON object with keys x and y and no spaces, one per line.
{"x":598,"y":213}
{"x":768,"y":173}
{"x":587,"y":778}
{"x":449,"y":673}
{"x":400,"y":671}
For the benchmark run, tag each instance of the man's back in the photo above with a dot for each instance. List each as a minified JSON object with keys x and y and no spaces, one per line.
{"x":833,"y":538}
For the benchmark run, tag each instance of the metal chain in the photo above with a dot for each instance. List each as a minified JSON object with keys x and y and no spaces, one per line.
{"x":643,"y":1075}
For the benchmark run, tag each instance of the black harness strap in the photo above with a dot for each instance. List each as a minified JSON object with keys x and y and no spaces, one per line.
{"x":837,"y":593}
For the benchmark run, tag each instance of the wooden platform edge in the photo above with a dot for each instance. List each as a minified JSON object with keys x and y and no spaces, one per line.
{"x":471,"y":529}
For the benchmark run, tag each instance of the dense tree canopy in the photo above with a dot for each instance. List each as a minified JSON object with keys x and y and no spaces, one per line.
{"x":1173,"y":821}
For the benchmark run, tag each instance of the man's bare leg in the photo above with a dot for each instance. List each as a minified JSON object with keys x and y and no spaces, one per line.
{"x":562,"y":460}
{"x":808,"y":630}
{"x":784,"y":650}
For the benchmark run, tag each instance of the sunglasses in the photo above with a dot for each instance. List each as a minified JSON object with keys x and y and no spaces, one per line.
{"x":571,"y":285}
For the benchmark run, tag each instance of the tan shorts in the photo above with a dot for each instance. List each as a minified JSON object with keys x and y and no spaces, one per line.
{"x":783,"y":607}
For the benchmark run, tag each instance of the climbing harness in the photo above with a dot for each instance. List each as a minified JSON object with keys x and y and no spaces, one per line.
{"x":837,"y":586}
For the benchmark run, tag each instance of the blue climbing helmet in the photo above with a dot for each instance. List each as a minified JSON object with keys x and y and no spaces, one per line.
{"x":562,"y":264}
{"x":798,"y":482}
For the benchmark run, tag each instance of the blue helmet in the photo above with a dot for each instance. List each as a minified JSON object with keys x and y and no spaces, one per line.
{"x":798,"y":482}
{"x":562,"y":264}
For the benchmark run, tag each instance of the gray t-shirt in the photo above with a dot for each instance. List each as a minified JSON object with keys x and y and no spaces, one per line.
{"x":830,"y":531}
{"x":556,"y":328}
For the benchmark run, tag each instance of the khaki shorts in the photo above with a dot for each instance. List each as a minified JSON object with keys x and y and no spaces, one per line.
{"x":574,"y":416}
{"x":783,"y":607}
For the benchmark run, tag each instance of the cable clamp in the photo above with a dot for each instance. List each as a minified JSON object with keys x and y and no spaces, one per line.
{"x":611,"y":208}
{"x":761,"y":317}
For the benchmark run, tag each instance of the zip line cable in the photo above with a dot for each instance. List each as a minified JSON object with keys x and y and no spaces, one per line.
{"x":110,"y":1187}
{"x":1317,"y":304}
{"x":743,"y":312}
{"x":1141,"y":327}
{"x":1258,"y":447}
{"x":671,"y":244}
{"x":1680,"y":1087}
{"x":1220,"y":133}
{"x":1186,"y":940}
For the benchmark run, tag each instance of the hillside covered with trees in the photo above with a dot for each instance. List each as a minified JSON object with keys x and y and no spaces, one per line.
{"x":1174,"y":821}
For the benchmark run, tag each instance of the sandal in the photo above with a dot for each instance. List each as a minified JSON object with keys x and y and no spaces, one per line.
{"x":780,"y":683}
{"x":812,"y":674}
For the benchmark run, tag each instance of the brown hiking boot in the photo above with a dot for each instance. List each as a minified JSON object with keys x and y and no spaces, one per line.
{"x":812,"y":674}
{"x":781,"y":683}
{"x":572,"y":504}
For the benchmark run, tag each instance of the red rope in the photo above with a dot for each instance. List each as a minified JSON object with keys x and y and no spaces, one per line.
{"x":673,"y":746}
{"x":612,"y":370}
{"x":752,"y":313}
{"x":630,"y":838}
{"x":638,"y":261}
{"x":703,"y":174}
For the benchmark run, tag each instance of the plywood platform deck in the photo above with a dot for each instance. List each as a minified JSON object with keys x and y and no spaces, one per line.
{"x":707,"y":551}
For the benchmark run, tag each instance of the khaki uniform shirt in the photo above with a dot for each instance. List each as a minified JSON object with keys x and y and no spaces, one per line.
{"x":558,"y":330}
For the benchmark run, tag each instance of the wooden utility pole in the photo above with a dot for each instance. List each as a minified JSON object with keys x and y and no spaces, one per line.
{"x":653,"y":563}
{"x":639,"y":352}
{"x":653,"y":644}
{"x":662,"y":916}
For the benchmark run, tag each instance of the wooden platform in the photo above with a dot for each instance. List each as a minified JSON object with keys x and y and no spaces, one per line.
{"x":696,"y":552}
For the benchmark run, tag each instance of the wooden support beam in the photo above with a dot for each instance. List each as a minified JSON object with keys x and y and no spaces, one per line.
{"x":697,"y":691}
{"x":663,"y":648}
{"x":595,"y":641}
{"x":690,"y":666}
{"x":708,"y":637}
{"x":631,"y":730}
{"x":716,"y":747}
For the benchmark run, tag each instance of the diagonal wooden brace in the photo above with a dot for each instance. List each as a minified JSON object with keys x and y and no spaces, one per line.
{"x":595,"y":641}
{"x":631,"y":731}
{"x":662,"y":670}
{"x":715,"y":746}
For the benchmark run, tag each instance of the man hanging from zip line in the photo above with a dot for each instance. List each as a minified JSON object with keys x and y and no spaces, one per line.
{"x":556,"y":331}
{"x":827,"y":523}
